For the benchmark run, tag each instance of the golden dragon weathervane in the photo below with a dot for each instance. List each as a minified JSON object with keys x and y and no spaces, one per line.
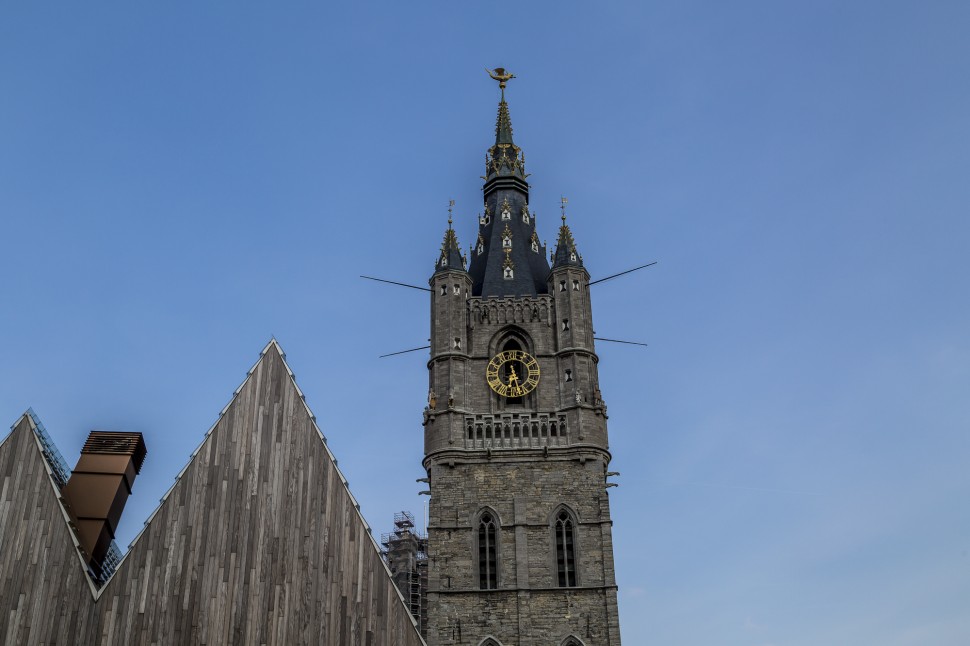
{"x":500,"y":75}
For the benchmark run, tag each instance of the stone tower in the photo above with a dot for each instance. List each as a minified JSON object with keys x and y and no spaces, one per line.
{"x":516,"y":451}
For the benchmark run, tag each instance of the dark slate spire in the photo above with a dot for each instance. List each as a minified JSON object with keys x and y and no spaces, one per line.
{"x":503,"y":124}
{"x":505,"y":159}
{"x":507,"y":259}
{"x":504,"y":162}
{"x":450,"y":257}
{"x":566,"y":253}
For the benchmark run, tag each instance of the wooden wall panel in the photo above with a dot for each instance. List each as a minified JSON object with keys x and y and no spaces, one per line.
{"x":258,"y":542}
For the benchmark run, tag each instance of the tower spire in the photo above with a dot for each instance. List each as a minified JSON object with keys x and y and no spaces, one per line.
{"x":507,"y":259}
{"x":504,"y":159}
{"x":450,"y":257}
{"x":565,"y":253}
{"x":503,"y":124}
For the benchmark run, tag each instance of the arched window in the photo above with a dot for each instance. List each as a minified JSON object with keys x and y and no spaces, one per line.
{"x":565,"y":549}
{"x":571,"y":641}
{"x":487,"y":552}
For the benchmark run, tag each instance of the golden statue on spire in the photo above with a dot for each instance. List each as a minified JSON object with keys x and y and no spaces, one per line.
{"x":500,"y":75}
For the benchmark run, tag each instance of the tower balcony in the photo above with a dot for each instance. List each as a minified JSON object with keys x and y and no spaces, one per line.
{"x":515,"y":431}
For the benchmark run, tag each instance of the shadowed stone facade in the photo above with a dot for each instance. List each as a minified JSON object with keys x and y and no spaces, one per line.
{"x":516,"y":466}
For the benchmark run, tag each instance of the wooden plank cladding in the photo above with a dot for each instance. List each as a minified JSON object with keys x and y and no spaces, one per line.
{"x":258,"y":542}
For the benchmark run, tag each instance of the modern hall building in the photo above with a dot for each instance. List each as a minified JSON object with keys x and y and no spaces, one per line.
{"x":259,"y":541}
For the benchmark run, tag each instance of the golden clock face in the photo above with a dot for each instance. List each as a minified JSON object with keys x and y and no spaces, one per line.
{"x":513,"y":373}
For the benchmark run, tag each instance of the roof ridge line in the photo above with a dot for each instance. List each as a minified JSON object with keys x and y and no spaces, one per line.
{"x":97,"y":591}
{"x":205,"y":437}
{"x":29,"y":415}
{"x":343,"y":479}
{"x":273,"y":343}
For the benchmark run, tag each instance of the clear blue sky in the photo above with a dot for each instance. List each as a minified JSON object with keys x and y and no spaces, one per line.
{"x":180,"y":181}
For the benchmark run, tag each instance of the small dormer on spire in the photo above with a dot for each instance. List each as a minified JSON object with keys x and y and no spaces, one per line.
{"x":450,"y":257}
{"x":566,"y":253}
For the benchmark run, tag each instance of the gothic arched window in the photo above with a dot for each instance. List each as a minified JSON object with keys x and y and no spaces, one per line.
{"x":565,"y":549}
{"x":487,"y":552}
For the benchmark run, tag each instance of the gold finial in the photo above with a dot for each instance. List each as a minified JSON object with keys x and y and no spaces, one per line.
{"x":451,"y":205}
{"x":502,"y":76}
{"x":563,"y":207}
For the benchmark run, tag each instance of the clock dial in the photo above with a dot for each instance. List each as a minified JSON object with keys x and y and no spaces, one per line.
{"x":512,"y":373}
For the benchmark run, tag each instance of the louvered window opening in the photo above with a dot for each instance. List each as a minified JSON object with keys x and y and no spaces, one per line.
{"x":565,"y":551}
{"x":487,"y":553}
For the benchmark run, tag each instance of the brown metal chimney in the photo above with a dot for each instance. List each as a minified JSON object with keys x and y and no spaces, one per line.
{"x":99,"y":487}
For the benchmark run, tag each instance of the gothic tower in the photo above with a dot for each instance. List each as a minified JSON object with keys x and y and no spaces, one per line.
{"x":519,"y":535}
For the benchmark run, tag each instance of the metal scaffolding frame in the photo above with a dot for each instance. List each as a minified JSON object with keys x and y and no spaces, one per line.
{"x":405,"y":550}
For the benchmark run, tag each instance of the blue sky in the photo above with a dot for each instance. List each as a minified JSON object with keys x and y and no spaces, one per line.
{"x":180,"y":181}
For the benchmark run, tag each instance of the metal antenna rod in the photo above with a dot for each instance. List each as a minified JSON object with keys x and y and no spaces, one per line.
{"x":599,"y":338}
{"x":649,"y":264}
{"x":381,"y":280}
{"x":423,"y":347}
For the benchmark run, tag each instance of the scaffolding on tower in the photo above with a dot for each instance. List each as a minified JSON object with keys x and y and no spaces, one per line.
{"x":405,"y":550}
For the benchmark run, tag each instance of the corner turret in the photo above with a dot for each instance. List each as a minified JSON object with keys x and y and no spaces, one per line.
{"x":450,"y":258}
{"x":566,"y":253}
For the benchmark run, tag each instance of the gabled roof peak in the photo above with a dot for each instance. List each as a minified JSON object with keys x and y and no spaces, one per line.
{"x":252,"y":475}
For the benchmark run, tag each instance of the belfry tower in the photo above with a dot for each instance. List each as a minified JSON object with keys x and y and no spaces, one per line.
{"x":519,"y":537}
